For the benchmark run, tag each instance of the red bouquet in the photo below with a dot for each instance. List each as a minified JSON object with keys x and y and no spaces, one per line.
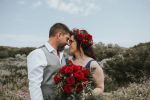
{"x":73,"y":81}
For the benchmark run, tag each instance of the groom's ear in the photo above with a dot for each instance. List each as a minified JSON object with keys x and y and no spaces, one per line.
{"x":58,"y":34}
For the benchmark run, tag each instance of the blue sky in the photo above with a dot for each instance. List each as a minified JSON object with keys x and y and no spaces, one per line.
{"x":26,"y":23}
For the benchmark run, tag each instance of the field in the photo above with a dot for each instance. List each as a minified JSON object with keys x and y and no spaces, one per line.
{"x":127,"y":72}
{"x":14,"y":83}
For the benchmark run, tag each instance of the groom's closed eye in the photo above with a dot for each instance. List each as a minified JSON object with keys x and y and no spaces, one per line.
{"x":67,"y":39}
{"x":71,"y":41}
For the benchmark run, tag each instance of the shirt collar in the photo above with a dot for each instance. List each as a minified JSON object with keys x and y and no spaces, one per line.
{"x":51,"y":49}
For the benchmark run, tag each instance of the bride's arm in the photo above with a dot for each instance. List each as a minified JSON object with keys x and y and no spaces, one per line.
{"x":99,"y":78}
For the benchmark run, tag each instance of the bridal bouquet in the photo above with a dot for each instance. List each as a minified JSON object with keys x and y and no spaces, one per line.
{"x":73,"y":81}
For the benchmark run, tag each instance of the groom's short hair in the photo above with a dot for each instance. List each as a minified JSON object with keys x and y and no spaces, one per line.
{"x":58,"y":27}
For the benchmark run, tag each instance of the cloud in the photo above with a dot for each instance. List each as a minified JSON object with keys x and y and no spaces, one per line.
{"x":37,"y":4}
{"x":21,"y":2}
{"x":83,"y":7}
{"x":33,"y":3}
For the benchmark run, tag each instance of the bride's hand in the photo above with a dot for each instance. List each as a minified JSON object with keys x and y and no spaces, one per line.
{"x":88,"y":95}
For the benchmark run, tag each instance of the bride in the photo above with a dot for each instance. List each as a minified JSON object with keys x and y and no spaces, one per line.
{"x":80,"y":47}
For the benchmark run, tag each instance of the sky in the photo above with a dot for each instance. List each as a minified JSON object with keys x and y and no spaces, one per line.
{"x":26,"y":23}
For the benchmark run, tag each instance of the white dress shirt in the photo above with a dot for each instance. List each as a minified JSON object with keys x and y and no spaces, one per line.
{"x":36,"y":62}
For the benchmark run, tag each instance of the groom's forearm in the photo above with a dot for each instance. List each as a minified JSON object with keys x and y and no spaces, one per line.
{"x":35,"y":93}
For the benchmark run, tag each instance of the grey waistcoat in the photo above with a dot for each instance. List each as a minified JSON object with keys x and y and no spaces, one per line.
{"x":53,"y":64}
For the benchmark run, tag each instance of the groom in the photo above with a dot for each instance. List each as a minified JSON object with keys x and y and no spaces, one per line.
{"x":44,"y":61}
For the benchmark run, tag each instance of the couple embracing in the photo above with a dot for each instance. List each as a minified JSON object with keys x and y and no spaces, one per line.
{"x":44,"y":61}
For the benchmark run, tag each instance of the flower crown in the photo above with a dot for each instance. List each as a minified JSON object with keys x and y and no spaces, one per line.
{"x":84,"y":37}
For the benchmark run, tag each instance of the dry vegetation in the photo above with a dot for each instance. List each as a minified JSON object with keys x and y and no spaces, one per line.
{"x":14,"y":82}
{"x":127,"y":86}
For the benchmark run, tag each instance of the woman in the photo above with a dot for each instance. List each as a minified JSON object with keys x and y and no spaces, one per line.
{"x":81,"y":49}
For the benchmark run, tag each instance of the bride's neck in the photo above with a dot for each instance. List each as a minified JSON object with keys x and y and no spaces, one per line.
{"x":79,"y":55}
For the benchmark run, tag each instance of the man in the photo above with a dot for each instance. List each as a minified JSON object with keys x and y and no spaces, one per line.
{"x":44,"y":61}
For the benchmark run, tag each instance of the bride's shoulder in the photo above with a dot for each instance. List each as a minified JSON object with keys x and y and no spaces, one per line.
{"x":95,"y":64}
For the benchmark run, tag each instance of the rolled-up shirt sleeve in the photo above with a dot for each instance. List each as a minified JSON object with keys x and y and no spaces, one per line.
{"x":36,"y":62}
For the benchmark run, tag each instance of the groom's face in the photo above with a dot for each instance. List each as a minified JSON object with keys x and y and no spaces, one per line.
{"x":63,"y":41}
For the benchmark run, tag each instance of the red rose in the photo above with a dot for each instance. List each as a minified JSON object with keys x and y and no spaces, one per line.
{"x":84,"y":79}
{"x":76,"y":68}
{"x":70,"y":80}
{"x":68,"y":70}
{"x":86,"y":35}
{"x":57,"y":79}
{"x":83,"y":41}
{"x":86,"y":71}
{"x":90,"y":37}
{"x":79,"y":88}
{"x":86,"y":42}
{"x":62,"y":70}
{"x":67,"y":89}
{"x":79,"y":75}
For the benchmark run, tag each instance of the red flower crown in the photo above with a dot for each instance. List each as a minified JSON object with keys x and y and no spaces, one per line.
{"x":84,"y":37}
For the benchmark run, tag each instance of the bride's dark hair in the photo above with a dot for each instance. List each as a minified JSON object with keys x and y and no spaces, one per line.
{"x":88,"y":50}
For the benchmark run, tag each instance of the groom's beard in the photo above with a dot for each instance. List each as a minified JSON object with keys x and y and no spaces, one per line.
{"x":61,"y":48}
